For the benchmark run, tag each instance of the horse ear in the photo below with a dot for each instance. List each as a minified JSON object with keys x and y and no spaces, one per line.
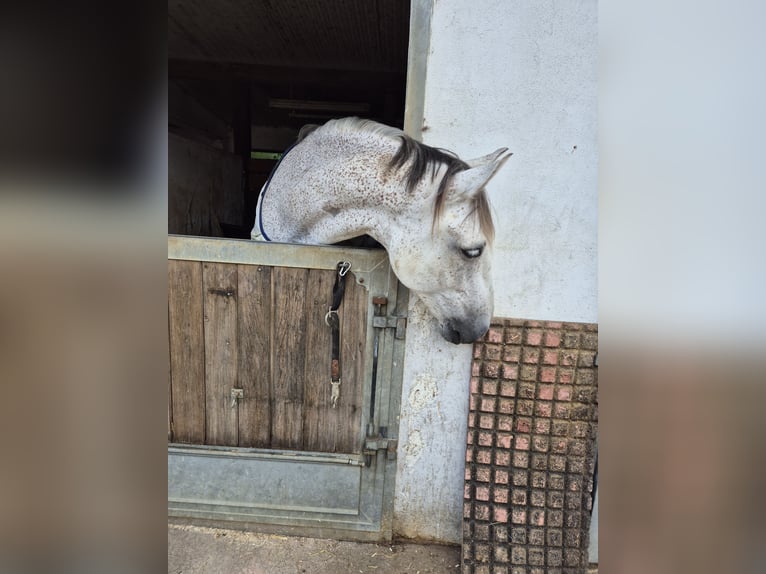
{"x":306,"y":130}
{"x":490,"y":157}
{"x":470,"y":181}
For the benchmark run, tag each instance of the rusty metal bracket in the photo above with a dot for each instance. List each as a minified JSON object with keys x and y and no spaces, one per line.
{"x":373,"y":444}
{"x":397,"y":323}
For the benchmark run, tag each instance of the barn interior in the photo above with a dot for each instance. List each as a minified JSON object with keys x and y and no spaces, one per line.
{"x":245,"y":75}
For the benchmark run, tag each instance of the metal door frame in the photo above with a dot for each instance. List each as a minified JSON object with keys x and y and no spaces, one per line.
{"x":220,"y":485}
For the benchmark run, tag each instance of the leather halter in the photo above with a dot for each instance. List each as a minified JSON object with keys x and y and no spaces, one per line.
{"x":333,"y":321}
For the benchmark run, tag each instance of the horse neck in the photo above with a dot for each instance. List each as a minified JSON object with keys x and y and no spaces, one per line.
{"x":370,"y":198}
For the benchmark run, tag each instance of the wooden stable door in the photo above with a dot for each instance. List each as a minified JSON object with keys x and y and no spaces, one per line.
{"x":253,"y":434}
{"x":250,"y":358}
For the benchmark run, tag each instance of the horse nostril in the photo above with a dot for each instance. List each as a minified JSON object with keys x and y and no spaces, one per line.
{"x":458,"y":332}
{"x":451,"y":334}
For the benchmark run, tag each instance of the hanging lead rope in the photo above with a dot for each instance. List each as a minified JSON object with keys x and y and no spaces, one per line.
{"x":333,"y":321}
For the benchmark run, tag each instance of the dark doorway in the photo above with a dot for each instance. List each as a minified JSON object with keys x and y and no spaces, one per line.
{"x":246,"y":75}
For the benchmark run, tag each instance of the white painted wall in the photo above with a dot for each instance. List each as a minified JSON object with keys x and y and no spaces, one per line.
{"x":522,"y":75}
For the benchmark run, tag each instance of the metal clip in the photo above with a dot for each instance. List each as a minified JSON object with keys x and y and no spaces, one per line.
{"x":343,"y":268}
{"x":236,"y":395}
{"x":335,"y":395}
{"x":329,"y":315}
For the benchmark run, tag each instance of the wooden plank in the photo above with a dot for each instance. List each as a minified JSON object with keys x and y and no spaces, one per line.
{"x":320,"y":420}
{"x":353,"y":347}
{"x":289,"y":325}
{"x":187,"y":351}
{"x":220,"y":292}
{"x":254,"y":355}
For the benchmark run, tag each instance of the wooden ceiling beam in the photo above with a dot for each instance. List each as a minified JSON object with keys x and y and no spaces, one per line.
{"x":269,"y":76}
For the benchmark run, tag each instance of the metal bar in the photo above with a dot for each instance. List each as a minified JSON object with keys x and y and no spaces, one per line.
{"x":390,"y":401}
{"x":364,"y":262}
{"x":286,"y":455}
{"x":314,"y":524}
{"x":417,"y":62}
{"x":248,"y":252}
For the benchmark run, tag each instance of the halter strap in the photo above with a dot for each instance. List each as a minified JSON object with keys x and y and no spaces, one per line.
{"x":333,"y":321}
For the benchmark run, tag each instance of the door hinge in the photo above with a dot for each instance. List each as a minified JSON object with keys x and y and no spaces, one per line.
{"x":372,"y":444}
{"x":398,"y":323}
{"x":382,"y":321}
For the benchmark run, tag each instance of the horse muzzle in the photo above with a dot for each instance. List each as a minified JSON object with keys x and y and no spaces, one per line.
{"x":457,"y":332}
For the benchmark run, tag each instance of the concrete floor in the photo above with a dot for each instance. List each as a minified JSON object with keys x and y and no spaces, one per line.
{"x":198,"y":550}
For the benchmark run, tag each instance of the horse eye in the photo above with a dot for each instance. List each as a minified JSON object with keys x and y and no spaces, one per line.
{"x":472,"y":253}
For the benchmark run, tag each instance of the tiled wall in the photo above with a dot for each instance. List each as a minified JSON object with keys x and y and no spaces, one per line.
{"x":531,"y":448}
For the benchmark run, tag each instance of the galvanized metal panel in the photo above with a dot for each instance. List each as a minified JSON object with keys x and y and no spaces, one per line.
{"x":256,"y":481}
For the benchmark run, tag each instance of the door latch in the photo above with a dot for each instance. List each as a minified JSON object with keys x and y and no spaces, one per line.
{"x":381,"y":321}
{"x":236,"y":396}
{"x":373,"y":444}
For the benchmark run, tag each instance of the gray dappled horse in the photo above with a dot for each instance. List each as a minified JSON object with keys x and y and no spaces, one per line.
{"x":425,"y":206}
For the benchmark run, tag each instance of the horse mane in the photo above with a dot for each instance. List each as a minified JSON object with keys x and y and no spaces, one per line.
{"x":421,"y":159}
{"x":424,"y":157}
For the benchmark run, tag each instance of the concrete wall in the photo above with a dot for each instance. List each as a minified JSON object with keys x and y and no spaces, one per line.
{"x":522,"y":75}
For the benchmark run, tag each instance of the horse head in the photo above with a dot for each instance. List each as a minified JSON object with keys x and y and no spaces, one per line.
{"x":448,"y":265}
{"x":438,"y":230}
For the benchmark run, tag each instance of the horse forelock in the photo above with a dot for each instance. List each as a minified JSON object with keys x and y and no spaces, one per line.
{"x":483,"y":211}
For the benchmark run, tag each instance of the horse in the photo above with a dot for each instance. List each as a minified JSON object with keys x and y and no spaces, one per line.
{"x":428,"y":208}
